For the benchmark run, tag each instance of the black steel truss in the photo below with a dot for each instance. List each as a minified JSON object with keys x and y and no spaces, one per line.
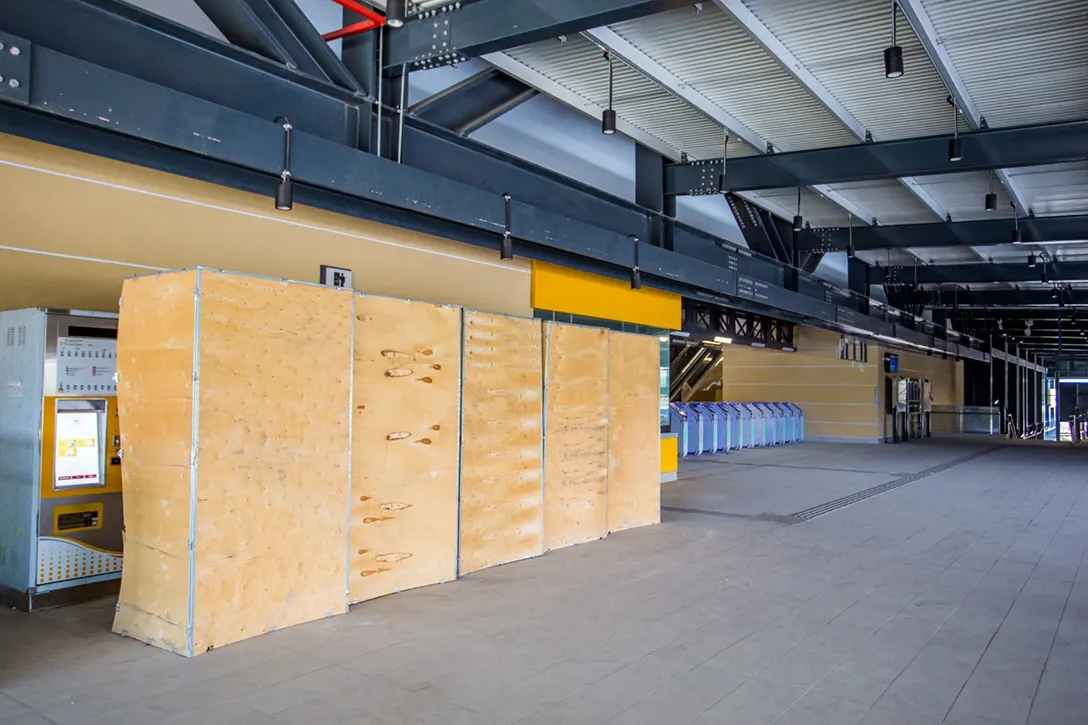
{"x":466,"y":106}
{"x":987,"y":232}
{"x":459,"y":31}
{"x":991,"y":149}
{"x":707,"y":322}
{"x":976,"y":273}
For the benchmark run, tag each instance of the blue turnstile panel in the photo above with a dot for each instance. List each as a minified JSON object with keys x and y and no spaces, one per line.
{"x":714,"y":434}
{"x":678,"y":421}
{"x":704,"y":428}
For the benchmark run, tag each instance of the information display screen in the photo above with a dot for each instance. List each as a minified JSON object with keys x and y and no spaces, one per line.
{"x":79,"y":450}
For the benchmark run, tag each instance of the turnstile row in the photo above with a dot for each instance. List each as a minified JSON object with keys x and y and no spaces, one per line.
{"x":713,"y":427}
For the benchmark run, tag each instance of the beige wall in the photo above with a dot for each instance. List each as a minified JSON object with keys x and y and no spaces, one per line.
{"x":838,"y":397}
{"x":75,"y":225}
{"x":945,"y":375}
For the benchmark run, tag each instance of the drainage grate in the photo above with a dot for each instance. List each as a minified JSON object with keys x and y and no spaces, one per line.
{"x":838,"y":503}
{"x":824,"y":508}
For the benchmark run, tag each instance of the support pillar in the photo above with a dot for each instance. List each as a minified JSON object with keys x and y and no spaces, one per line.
{"x":650,"y":193}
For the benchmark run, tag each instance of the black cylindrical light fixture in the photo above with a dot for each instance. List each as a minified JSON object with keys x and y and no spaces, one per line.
{"x":1031,"y":260}
{"x":395,"y":12}
{"x":608,"y":122}
{"x":955,"y":148}
{"x":284,"y":193}
{"x":893,"y":55}
{"x":991,"y":196}
{"x":798,"y":220}
{"x":955,"y":144}
{"x":608,"y":118}
{"x":893,"y":62}
{"x":1044,"y":278}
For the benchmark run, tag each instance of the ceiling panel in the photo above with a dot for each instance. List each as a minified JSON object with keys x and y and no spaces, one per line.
{"x":1023,"y":61}
{"x":1054,"y":189}
{"x":842,"y":43}
{"x":717,"y":58}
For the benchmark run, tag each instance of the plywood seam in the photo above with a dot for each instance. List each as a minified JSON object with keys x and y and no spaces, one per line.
{"x":351,"y":451}
{"x":460,"y":439}
{"x":544,"y":373}
{"x":193,"y":461}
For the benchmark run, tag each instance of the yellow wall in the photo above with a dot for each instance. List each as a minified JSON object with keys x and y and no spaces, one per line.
{"x":669,"y":454}
{"x":838,"y":397}
{"x":945,"y":375}
{"x":559,"y":289}
{"x":122,"y":220}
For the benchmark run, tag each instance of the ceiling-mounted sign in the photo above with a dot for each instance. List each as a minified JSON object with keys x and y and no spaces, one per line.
{"x":335,"y":276}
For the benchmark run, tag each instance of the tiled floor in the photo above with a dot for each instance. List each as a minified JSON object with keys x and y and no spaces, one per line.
{"x":959,"y":598}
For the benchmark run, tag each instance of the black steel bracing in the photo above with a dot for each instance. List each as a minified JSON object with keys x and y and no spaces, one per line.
{"x":471,"y":29}
{"x":280,"y":31}
{"x":983,"y":233}
{"x":1020,"y":271}
{"x":706,"y":322}
{"x":992,"y":149}
{"x":474,"y":102}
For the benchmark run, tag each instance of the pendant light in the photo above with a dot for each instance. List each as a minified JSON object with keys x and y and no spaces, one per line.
{"x":893,"y":55}
{"x":395,"y":12}
{"x":1017,"y":238}
{"x":955,"y":144}
{"x":723,"y":186}
{"x":991,"y":196}
{"x":284,"y":193}
{"x":1043,"y":277}
{"x":850,"y":253}
{"x":798,"y":220}
{"x":608,"y":118}
{"x":1031,"y":260}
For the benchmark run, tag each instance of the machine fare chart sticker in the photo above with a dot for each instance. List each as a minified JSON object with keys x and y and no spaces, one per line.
{"x":78,"y":452}
{"x":86,"y":365}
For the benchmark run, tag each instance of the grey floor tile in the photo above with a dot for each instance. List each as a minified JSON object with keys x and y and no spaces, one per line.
{"x":756,"y":702}
{"x":816,"y":709}
{"x":227,"y":712}
{"x":1004,"y":706}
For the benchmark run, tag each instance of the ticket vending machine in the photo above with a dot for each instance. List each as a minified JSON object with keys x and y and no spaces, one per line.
{"x":61,"y":533}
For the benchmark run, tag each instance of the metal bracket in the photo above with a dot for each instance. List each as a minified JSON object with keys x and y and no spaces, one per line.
{"x":709,"y":178}
{"x":441,"y":52}
{"x":14,"y":68}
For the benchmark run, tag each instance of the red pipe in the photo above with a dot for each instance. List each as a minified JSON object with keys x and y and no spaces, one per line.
{"x":373,"y":20}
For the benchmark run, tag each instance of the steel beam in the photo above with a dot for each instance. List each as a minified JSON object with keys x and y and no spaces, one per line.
{"x":983,"y":272}
{"x":457,"y":32}
{"x":474,"y":102}
{"x":614,"y":43}
{"x":762,"y":35}
{"x":942,"y":62}
{"x":987,"y":232}
{"x":1043,"y":298}
{"x":282,"y":32}
{"x":983,"y":150}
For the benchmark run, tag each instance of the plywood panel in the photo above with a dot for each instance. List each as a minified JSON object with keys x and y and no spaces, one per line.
{"x":273,"y":456}
{"x":501,"y":465}
{"x":634,"y":487}
{"x":404,"y":461}
{"x":576,"y":435}
{"x":154,"y":396}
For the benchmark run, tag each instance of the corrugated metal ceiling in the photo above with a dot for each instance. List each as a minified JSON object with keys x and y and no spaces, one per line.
{"x":1023,"y":61}
{"x":842,"y":42}
{"x":579,"y":65}
{"x":717,"y":58}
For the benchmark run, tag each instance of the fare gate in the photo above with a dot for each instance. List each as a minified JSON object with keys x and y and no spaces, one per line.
{"x":708,"y":427}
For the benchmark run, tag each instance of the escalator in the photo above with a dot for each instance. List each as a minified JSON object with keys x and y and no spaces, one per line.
{"x":687,"y":367}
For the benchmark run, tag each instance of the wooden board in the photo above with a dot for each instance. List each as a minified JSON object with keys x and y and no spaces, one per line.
{"x":404,"y":446}
{"x":576,"y":450}
{"x":634,"y":487}
{"x":501,"y":497}
{"x":273,"y":456}
{"x":154,"y":396}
